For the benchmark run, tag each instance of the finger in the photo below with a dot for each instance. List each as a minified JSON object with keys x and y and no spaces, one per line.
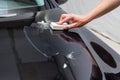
{"x":62,"y":17}
{"x":65,"y":20}
{"x":70,"y":26}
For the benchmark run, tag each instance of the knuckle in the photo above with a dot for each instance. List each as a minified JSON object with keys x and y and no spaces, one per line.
{"x":63,"y":14}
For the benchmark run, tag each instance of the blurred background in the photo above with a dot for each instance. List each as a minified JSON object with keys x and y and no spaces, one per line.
{"x":107,"y":27}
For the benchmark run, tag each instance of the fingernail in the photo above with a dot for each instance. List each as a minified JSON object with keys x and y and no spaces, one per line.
{"x":66,"y":28}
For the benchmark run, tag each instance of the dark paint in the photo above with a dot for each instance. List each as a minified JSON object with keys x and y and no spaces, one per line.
{"x":76,"y":53}
{"x":99,"y":59}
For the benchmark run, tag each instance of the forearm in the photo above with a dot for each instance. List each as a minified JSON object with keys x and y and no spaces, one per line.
{"x":102,"y":8}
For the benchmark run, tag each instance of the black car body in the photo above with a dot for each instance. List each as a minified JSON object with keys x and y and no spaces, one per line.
{"x":28,"y":52}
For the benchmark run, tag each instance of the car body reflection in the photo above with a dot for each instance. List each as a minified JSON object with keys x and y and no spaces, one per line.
{"x":35,"y":52}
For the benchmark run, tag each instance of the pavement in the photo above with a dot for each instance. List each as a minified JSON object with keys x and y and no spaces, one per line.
{"x":109,"y":33}
{"x":115,"y":46}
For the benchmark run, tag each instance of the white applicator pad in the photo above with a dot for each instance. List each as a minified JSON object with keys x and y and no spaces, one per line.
{"x":56,"y":26}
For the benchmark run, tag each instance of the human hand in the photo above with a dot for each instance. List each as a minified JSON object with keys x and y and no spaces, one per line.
{"x":77,"y":20}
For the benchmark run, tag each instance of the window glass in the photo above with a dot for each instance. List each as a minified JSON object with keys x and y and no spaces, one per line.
{"x":18,"y":4}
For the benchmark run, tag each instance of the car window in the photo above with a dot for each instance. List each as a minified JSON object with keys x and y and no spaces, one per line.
{"x":18,"y":4}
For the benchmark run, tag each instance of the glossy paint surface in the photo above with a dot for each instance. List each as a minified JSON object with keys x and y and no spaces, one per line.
{"x":101,"y":60}
{"x":79,"y":54}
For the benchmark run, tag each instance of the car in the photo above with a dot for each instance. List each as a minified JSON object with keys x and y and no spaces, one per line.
{"x":61,"y":1}
{"x":31,"y":50}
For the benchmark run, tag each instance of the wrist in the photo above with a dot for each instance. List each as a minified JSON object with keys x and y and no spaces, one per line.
{"x":88,"y":18}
